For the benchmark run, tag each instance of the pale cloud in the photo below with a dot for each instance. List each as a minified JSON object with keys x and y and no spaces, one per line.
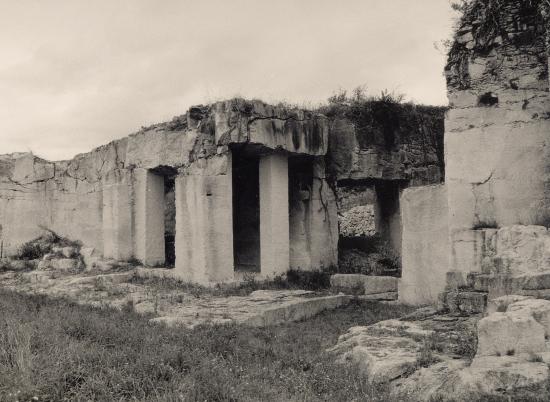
{"x":76,"y":74}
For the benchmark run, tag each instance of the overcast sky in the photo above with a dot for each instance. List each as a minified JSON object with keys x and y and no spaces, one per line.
{"x":77,"y":74}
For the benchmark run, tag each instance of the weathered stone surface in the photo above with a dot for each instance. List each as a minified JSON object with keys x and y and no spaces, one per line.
{"x":102,"y":199}
{"x":363,"y":284}
{"x":275,"y":127}
{"x":497,"y":136}
{"x":494,"y":375}
{"x":502,"y":334}
{"x":430,"y":383}
{"x":539,"y":309}
{"x":380,"y":358}
{"x":500,"y":304}
{"x":353,"y":284}
{"x":170,"y":305}
{"x":425,"y":251}
{"x":313,"y":232}
{"x":88,"y":255}
{"x":400,"y":326}
{"x":406,"y":151}
{"x":380,"y":284}
{"x":388,"y":296}
{"x":455,"y":380}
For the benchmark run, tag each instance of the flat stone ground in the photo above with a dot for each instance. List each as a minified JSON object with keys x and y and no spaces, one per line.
{"x":188,"y":306}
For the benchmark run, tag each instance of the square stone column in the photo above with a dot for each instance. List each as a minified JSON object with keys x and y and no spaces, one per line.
{"x":274,"y":215}
{"x":117,"y":216}
{"x":204,"y":222}
{"x":149,"y":217}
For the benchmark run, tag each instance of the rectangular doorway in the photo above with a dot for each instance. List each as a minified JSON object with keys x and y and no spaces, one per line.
{"x":246,"y":212}
{"x":169,"y":221}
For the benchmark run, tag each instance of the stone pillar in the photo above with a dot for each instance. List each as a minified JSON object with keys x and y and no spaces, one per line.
{"x":117,"y":216}
{"x":425,"y":252}
{"x":204,"y":222}
{"x":149,"y":217}
{"x":274,"y":215}
{"x":323,"y":221}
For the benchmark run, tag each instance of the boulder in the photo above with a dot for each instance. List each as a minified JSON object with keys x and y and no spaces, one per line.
{"x":486,"y":376}
{"x":363,"y":284}
{"x":88,"y":255}
{"x":431,"y":383}
{"x":505,"y":374}
{"x":380,"y":359}
{"x":501,"y":334}
{"x":500,"y":304}
{"x":348,"y":283}
{"x":538,"y":308}
{"x":380,"y":284}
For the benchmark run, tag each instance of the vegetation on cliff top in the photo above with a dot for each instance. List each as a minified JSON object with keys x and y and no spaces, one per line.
{"x":386,"y":120}
{"x":490,"y":25}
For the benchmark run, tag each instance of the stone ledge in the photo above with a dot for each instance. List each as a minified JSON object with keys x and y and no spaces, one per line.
{"x":357,"y":284}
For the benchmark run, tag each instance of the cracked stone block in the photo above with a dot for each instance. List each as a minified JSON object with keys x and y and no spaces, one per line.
{"x":363,"y":284}
{"x":500,"y":304}
{"x":348,"y":283}
{"x":539,"y":309}
{"x":380,"y":359}
{"x":501,"y":334}
{"x":380,"y":284}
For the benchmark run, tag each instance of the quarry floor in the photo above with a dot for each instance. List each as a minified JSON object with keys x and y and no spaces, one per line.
{"x":51,"y":349}
{"x":96,"y":336}
{"x":164,"y":300}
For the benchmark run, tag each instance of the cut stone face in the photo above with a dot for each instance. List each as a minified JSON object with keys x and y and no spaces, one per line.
{"x":502,"y":334}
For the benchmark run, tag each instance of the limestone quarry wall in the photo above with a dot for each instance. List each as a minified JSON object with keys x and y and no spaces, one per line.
{"x":498,"y":127}
{"x":382,"y":140}
{"x":497,"y":164}
{"x":425,"y":252}
{"x":313,"y":218}
{"x":112,"y":197}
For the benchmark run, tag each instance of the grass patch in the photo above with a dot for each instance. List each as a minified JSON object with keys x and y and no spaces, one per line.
{"x":56,"y":350}
{"x":294,"y":280}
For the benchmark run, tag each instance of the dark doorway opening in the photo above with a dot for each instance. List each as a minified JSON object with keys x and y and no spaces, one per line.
{"x":246,"y":212}
{"x":169,"y":221}
{"x":169,"y":174}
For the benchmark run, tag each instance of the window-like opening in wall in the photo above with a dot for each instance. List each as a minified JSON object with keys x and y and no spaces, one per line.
{"x":246,"y":212}
{"x":488,"y":99}
{"x":169,"y":221}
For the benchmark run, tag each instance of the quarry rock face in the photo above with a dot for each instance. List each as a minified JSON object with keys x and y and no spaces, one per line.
{"x":387,"y":141}
{"x":497,"y":130}
{"x":113,"y":198}
{"x":234,"y":186}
